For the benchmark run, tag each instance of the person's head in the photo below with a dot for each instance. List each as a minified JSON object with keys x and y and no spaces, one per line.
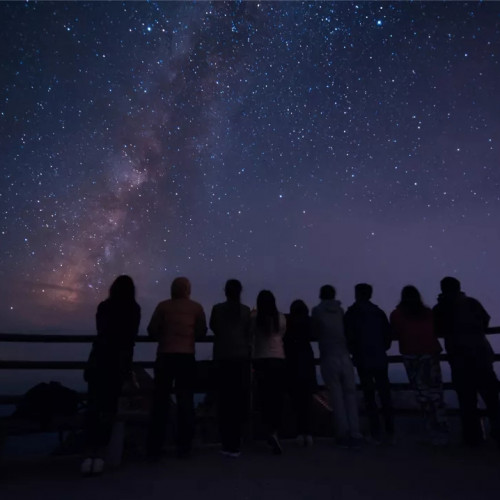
{"x":233,"y":290}
{"x":180,"y":288}
{"x":363,"y":291}
{"x":266,"y":303}
{"x":299,"y":308}
{"x":327,"y":292}
{"x":411,"y":302}
{"x":122,"y":288}
{"x":409,"y":294}
{"x":450,"y":286}
{"x":267,"y":313}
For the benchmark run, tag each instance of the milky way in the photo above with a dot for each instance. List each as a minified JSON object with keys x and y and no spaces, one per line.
{"x":285,"y":144}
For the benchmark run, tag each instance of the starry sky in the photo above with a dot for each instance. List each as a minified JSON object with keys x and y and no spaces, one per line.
{"x":286,"y":144}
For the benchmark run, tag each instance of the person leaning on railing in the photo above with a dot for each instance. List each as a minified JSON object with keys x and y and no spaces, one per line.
{"x":413,"y":328}
{"x":109,"y":365}
{"x":176,"y":324}
{"x":462,"y":321}
{"x":230,"y":323}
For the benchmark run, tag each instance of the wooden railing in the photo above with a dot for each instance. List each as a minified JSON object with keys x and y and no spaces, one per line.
{"x":87,"y":339}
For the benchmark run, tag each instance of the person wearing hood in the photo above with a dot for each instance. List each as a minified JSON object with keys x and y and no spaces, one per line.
{"x":369,"y":337}
{"x":336,"y":367}
{"x":176,"y":324}
{"x":413,"y":327}
{"x":462,"y":322}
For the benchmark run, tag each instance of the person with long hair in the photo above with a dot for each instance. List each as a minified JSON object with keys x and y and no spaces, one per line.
{"x":230,"y":322}
{"x":176,"y":324}
{"x":268,"y":327}
{"x":300,"y":368}
{"x":413,"y":327}
{"x":109,"y":366}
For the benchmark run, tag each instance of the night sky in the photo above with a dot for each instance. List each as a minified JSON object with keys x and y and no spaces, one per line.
{"x":285,"y":144}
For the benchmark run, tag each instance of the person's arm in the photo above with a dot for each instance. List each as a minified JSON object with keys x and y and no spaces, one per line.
{"x":315,"y":325}
{"x":349,"y":329}
{"x":387,"y":330}
{"x":155,"y":324}
{"x":200,"y":325}
{"x":213,"y":320}
{"x":437,"y":318}
{"x":393,"y":321}
{"x":480,"y":311}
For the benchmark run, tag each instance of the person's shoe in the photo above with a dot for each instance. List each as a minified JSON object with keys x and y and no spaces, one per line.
{"x":98,"y":466}
{"x":230,"y":453}
{"x":275,"y":445}
{"x":86,"y":467}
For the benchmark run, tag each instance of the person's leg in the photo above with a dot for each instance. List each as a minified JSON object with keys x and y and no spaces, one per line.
{"x":223,"y":401}
{"x":464,"y":382}
{"x":348,"y":382}
{"x":240,"y":395}
{"x":109,"y":393}
{"x":276,"y":382}
{"x":331,"y":370}
{"x":383,"y":386}
{"x":185,"y":376}
{"x":488,"y":389}
{"x":368,"y":388}
{"x":232,"y":402}
{"x":434,"y":383}
{"x":92,"y":422}
{"x":163,"y":378}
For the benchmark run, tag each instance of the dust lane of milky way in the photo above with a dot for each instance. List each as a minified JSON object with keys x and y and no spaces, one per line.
{"x":286,"y":144}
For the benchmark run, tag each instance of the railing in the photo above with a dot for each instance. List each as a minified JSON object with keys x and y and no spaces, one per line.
{"x":86,"y":339}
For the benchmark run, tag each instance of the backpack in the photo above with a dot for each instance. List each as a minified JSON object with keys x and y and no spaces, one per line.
{"x":45,"y":401}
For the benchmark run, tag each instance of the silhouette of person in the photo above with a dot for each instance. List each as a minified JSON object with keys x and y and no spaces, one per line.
{"x":462,"y":322}
{"x":368,"y":338}
{"x":109,"y":366}
{"x":413,"y":327}
{"x":301,"y":370}
{"x":176,"y":324}
{"x":230,"y":323}
{"x":267,"y":329}
{"x":336,"y":367}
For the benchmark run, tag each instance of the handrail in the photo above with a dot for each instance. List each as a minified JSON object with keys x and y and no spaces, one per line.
{"x":79,"y":365}
{"x":75,"y":339}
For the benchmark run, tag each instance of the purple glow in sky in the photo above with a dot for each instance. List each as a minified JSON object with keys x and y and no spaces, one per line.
{"x":288,"y":145}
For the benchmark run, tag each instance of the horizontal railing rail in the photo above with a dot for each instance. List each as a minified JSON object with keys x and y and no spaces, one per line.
{"x":80,"y":365}
{"x":82,"y":339}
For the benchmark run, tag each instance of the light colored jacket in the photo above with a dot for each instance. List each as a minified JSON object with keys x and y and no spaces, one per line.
{"x":328,"y":323}
{"x":268,"y":345}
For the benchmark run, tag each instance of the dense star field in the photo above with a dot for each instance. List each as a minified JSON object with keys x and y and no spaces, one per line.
{"x":286,"y":144}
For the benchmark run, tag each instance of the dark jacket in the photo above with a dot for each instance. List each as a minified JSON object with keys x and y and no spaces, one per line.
{"x":368,"y":335}
{"x":299,"y":355}
{"x":112,"y":351}
{"x":230,"y":323}
{"x":462,"y":322}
